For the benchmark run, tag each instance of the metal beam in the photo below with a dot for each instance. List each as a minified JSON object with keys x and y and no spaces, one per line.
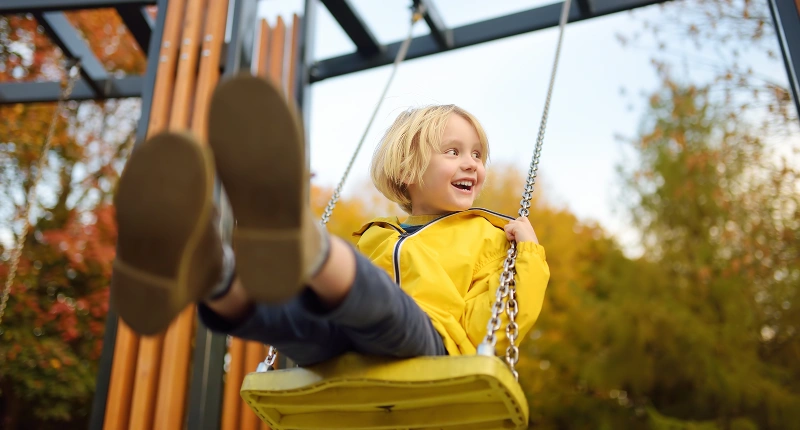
{"x":238,"y":52}
{"x":66,"y":37}
{"x":39,"y":92}
{"x":146,"y":87}
{"x":103,"y":381}
{"x":585,"y":7}
{"x":305,"y":58}
{"x":205,"y":395}
{"x":786,"y":17}
{"x":440,"y":32}
{"x":139,"y":24}
{"x":472,"y":34}
{"x":351,"y":22}
{"x":39,"y":6}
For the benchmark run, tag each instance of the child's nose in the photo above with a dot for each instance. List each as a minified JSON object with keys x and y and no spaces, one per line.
{"x":469,"y":163}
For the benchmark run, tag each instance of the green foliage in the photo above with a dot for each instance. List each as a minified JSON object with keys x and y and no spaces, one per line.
{"x":700,"y":331}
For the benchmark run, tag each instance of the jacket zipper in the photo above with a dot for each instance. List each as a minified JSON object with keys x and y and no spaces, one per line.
{"x":405,"y":235}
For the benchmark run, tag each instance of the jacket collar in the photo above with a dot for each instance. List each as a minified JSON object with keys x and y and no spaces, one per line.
{"x":497,"y":219}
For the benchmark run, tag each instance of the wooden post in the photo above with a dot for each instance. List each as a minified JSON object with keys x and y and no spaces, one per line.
{"x":127,"y":348}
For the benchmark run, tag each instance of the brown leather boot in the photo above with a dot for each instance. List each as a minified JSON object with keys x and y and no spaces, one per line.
{"x":259,"y":149}
{"x":169,"y":253}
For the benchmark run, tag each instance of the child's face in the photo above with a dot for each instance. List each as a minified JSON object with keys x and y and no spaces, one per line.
{"x":455,"y":174}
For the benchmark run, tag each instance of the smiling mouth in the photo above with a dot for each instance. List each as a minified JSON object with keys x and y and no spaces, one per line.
{"x":463,"y":187}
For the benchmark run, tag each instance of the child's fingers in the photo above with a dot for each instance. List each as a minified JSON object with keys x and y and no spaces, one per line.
{"x":509,"y":229}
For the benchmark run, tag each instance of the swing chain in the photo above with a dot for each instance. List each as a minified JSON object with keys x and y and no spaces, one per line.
{"x":16,"y":254}
{"x":507,"y":291}
{"x":503,"y":302}
{"x":417,"y":14}
{"x":268,"y":363}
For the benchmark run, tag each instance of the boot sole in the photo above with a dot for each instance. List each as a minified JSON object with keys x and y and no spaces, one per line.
{"x":259,"y":153}
{"x":164,"y":206}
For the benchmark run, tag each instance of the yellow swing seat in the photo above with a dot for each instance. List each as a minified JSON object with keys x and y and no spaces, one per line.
{"x":358,"y":392}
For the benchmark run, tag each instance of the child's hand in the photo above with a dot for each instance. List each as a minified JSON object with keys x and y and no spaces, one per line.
{"x":521,"y":230}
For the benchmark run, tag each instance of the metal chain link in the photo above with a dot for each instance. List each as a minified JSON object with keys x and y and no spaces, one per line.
{"x":16,"y":254}
{"x":419,"y":10}
{"x":401,"y":55}
{"x":507,"y":290}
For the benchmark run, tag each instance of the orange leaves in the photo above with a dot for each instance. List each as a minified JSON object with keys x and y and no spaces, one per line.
{"x":31,"y":52}
{"x":34,"y":56}
{"x":109,"y":39}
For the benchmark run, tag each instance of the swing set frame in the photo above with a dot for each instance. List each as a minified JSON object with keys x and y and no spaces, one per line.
{"x":95,"y":83}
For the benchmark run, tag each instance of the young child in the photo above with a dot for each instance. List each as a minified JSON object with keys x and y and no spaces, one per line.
{"x":422,"y":287}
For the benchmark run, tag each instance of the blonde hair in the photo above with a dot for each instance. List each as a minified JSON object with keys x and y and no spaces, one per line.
{"x":405,"y":150}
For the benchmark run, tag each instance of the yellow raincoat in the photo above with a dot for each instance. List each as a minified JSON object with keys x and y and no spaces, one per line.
{"x":451,"y":267}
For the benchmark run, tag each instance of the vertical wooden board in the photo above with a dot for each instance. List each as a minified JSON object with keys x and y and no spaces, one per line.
{"x":187,"y":65}
{"x":211,"y":52}
{"x":262,"y":49}
{"x":232,"y":401}
{"x":118,"y":401}
{"x":146,"y":382}
{"x":294,"y":47}
{"x":254,"y":354}
{"x":276,"y":48}
{"x":172,"y":392}
{"x":170,"y":401}
{"x":168,"y":58}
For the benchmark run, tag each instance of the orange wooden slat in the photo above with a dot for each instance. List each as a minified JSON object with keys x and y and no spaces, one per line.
{"x":211,"y":51}
{"x":146,"y":382}
{"x":232,"y":401}
{"x":254,"y":354}
{"x":276,"y":48}
{"x":187,"y":65}
{"x":262,"y":49}
{"x":170,"y":401}
{"x":175,"y":361}
{"x":118,"y":404}
{"x":168,"y":59}
{"x":292,"y":78}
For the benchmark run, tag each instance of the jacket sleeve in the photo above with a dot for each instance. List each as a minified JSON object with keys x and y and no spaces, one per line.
{"x":531,"y":281}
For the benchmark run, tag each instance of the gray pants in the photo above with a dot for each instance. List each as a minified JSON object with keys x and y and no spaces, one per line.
{"x":376,"y":318}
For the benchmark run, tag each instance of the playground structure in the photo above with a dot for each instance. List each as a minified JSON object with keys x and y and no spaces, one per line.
{"x":176,"y":379}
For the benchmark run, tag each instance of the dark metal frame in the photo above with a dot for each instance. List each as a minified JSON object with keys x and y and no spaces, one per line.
{"x":472,"y":34}
{"x":786,"y":17}
{"x":204,"y":409}
{"x":95,"y":82}
{"x":110,"y":336}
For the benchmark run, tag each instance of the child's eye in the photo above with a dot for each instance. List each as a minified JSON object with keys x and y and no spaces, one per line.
{"x":476,"y":154}
{"x":452,"y":151}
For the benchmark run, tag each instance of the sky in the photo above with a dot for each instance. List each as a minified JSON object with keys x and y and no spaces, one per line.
{"x":503,"y":83}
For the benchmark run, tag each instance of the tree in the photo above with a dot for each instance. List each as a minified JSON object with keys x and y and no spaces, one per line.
{"x":701,"y":331}
{"x":53,"y":327}
{"x":720,"y":214}
{"x":716,"y":42}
